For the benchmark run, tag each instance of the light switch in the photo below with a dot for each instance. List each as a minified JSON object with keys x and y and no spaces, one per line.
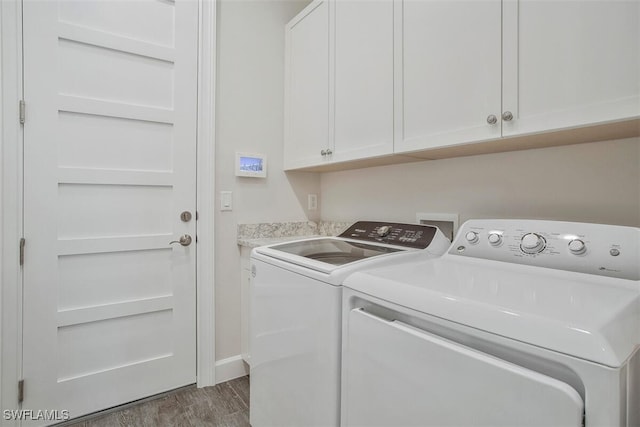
{"x":226,"y":200}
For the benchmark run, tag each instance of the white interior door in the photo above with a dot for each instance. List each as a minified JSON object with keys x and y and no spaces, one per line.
{"x":397,"y":375}
{"x":110,"y":149}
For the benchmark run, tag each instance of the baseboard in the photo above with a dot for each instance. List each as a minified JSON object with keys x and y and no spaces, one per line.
{"x":230,"y":368}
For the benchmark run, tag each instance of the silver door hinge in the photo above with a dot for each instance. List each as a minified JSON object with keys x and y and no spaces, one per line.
{"x":22,"y":111}
{"x":20,"y":391}
{"x":22,"y":243}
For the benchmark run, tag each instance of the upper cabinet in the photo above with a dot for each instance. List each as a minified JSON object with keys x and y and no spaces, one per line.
{"x":448,"y":72}
{"x":570,"y":63}
{"x":434,"y":78}
{"x":306,"y":102}
{"x":348,"y":112}
{"x":363,"y":87}
{"x":469,"y":71}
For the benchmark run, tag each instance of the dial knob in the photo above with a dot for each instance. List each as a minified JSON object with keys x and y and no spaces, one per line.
{"x":472,"y":237}
{"x":384,"y":230}
{"x":577,"y":247}
{"x":532,"y":243}
{"x":495,"y":239}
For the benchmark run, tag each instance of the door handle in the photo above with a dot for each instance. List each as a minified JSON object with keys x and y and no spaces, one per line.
{"x":184,"y":240}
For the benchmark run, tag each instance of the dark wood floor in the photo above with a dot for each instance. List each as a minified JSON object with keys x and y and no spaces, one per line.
{"x":224,"y":405}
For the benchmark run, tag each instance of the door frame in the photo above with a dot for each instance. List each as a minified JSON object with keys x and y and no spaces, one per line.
{"x":11,"y":198}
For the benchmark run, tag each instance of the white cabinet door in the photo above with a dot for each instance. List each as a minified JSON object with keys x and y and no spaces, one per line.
{"x":245,"y":302}
{"x":363,"y":79}
{"x":570,"y":63}
{"x":307,"y":86}
{"x":448,"y":72}
{"x":109,"y":164}
{"x":397,"y":375}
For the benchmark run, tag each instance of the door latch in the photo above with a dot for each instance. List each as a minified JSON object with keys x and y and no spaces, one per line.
{"x":184,"y":240}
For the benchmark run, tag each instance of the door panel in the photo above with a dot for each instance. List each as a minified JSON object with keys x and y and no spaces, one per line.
{"x":570,"y":63}
{"x":448,"y":72}
{"x":103,"y":142}
{"x":363,"y":79}
{"x":394,"y":374}
{"x":307,"y":86}
{"x":109,"y":305}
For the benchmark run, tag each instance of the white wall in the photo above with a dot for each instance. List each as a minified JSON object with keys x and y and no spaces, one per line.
{"x":595,"y":182}
{"x":250,"y":118}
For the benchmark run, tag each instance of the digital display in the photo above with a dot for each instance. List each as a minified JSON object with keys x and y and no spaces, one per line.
{"x":251,"y":164}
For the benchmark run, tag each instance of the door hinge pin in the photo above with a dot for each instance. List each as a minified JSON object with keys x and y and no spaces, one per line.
{"x":22,"y":111}
{"x":22,"y":243}
{"x":20,"y":391}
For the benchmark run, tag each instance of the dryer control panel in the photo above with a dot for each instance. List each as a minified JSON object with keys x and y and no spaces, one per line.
{"x":407,"y":235}
{"x":605,"y":250}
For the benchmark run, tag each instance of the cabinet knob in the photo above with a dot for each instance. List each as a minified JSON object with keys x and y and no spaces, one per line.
{"x":507,"y":116}
{"x":329,"y":152}
{"x":492,"y":120}
{"x":323,"y":152}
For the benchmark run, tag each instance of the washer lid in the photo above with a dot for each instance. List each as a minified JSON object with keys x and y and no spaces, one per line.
{"x":360,"y":242}
{"x":325,"y":254}
{"x":334,"y":251}
{"x":586,"y":316}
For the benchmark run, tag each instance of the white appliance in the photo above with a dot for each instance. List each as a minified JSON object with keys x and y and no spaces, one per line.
{"x":520,"y":323}
{"x":295,"y":319}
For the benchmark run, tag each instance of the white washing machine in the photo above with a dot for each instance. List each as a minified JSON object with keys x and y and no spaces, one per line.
{"x":295,"y":319}
{"x":520,"y":323}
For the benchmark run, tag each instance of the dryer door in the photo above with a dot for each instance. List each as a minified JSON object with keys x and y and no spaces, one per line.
{"x":395,"y":374}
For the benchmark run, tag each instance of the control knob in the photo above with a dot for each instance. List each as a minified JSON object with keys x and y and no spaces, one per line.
{"x":532,"y":243}
{"x":472,"y":237}
{"x":383,"y":230}
{"x":577,"y":247}
{"x":495,"y":239}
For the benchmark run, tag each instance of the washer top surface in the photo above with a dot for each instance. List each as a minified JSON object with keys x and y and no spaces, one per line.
{"x":363,"y":245}
{"x":335,"y":251}
{"x":586,"y":312}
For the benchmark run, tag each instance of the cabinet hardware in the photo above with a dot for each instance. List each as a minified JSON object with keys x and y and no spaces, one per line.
{"x":22,"y":111}
{"x":507,"y":116}
{"x":492,"y":120}
{"x":22,"y":243}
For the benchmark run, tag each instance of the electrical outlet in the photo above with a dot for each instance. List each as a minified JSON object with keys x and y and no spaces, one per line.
{"x":312,"y":202}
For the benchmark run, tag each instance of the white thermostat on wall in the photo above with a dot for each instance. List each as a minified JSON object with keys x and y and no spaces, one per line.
{"x":251,"y":165}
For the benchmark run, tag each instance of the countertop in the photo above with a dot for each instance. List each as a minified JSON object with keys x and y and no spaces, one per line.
{"x":254,"y":243}
{"x":254,"y":235}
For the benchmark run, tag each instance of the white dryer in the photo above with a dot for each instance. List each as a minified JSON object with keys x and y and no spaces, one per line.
{"x":295,"y":319}
{"x":521,"y":323}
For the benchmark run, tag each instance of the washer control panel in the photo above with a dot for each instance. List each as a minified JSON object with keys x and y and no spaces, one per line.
{"x":408,"y":235}
{"x":606,"y":250}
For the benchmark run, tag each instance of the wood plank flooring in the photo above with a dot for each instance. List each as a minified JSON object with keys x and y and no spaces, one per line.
{"x":224,"y":405}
